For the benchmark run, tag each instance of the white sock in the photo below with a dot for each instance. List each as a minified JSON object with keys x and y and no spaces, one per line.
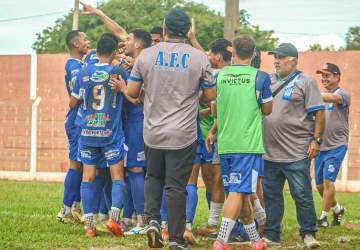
{"x":90,"y":220}
{"x":188,"y":225}
{"x":67,"y":210}
{"x":337,"y":208}
{"x":324,"y":214}
{"x":164,"y":224}
{"x":227,"y":225}
{"x":214,"y":214}
{"x":259,"y":213}
{"x":140,"y":220}
{"x":251,"y":231}
{"x":76,"y":205}
{"x":115,"y":214}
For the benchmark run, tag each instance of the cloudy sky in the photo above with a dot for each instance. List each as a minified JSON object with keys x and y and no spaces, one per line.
{"x":300,"y":22}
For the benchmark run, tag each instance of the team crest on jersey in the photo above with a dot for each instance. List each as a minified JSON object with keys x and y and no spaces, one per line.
{"x":99,"y":76}
{"x":85,"y":78}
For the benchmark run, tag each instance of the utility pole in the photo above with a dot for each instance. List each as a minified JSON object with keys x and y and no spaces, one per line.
{"x":232,"y":19}
{"x":75,"y":24}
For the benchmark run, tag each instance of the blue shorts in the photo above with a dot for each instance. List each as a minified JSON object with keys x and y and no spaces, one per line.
{"x":202,"y":155}
{"x":328,"y":163}
{"x":73,"y":135}
{"x":134,"y":141}
{"x":113,"y":153}
{"x":101,"y":164}
{"x":240,"y":172}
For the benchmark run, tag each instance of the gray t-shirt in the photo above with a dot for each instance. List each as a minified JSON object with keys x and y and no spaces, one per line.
{"x":336,"y":131}
{"x":289,"y":129}
{"x":172,"y":73}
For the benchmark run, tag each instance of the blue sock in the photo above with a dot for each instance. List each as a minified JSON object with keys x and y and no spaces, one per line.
{"x":128,"y":202}
{"x":105,"y":203}
{"x":117,"y":193}
{"x":72,"y":187}
{"x":191,"y":202}
{"x":99,"y":184}
{"x":163,"y":208}
{"x":88,"y":190}
{"x":208,"y":198}
{"x":137,"y":181}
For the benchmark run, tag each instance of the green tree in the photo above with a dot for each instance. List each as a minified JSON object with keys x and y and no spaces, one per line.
{"x":318,"y":47}
{"x":132,"y":14}
{"x":353,"y":38}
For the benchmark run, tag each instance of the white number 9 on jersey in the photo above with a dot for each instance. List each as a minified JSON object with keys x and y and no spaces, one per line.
{"x":99,"y":97}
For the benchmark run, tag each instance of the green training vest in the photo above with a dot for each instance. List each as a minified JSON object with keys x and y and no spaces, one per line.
{"x":238,"y":113}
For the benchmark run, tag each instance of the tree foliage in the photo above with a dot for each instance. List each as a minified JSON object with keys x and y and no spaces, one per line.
{"x":353,"y":38}
{"x":318,"y":47}
{"x":146,"y":14}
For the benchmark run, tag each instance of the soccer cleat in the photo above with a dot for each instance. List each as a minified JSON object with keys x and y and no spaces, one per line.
{"x":337,"y":217}
{"x":77,"y":215}
{"x":189,"y":237}
{"x":311,"y":242}
{"x":258,"y":245}
{"x":323,"y":222}
{"x":115,"y":228}
{"x":90,"y":232}
{"x":207,"y":231}
{"x":218,"y":245}
{"x":153,"y":234}
{"x":164,"y":232}
{"x":65,"y":218}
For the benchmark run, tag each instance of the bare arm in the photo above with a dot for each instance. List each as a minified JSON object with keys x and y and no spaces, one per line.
{"x":109,"y":23}
{"x":73,"y":102}
{"x":314,"y":147}
{"x":208,"y":95}
{"x":266,"y":108}
{"x":332,"y":98}
{"x":192,"y":37}
{"x":211,"y":136}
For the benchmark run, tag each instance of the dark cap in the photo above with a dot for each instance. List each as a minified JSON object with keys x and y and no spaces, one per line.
{"x":285,"y":49}
{"x":177,"y":22}
{"x":329,"y":67}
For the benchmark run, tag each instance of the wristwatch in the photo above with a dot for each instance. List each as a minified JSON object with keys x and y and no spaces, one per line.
{"x":318,"y":139}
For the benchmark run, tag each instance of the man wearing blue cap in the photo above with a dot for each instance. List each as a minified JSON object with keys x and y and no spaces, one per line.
{"x":292,"y":138}
{"x":172,"y":74}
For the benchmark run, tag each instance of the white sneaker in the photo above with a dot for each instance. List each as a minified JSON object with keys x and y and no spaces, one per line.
{"x":311,"y":242}
{"x":270,"y":243}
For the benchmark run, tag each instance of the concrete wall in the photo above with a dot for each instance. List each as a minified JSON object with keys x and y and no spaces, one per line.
{"x":15,"y":108}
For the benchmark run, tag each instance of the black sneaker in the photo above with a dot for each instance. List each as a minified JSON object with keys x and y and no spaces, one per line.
{"x":153,"y":233}
{"x":323,"y":222}
{"x":337,"y":217}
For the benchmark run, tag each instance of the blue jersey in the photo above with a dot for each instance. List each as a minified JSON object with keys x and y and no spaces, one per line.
{"x":101,"y":111}
{"x":134,"y":113}
{"x":91,"y":58}
{"x":72,"y":68}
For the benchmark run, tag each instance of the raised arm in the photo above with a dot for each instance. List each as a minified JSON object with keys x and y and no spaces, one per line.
{"x":115,"y":28}
{"x":192,"y":37}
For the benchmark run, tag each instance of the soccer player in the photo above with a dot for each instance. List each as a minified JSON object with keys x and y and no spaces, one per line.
{"x":138,"y":40}
{"x":156,"y":35}
{"x":101,"y":132}
{"x":243,"y":97}
{"x":334,"y":145}
{"x":78,"y":45}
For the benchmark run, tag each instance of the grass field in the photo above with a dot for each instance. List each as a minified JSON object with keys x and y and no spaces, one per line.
{"x":28,"y":211}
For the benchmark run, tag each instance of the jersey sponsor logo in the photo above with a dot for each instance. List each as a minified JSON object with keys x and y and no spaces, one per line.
{"x":112,"y":154}
{"x":97,"y":120}
{"x":85,"y":78}
{"x":140,"y":156}
{"x":331,"y":168}
{"x":175,"y":63}
{"x":235,"y":79}
{"x":235,"y":178}
{"x":96,"y":133}
{"x":99,"y":76}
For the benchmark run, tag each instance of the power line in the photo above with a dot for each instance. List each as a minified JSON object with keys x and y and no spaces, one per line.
{"x":30,"y":17}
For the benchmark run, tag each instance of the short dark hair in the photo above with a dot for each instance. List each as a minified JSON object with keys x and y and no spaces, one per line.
{"x":219,"y":46}
{"x":71,"y":37}
{"x":244,"y":46}
{"x":111,"y":36}
{"x":143,"y":36}
{"x":157,"y":30}
{"x":106,"y":45}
